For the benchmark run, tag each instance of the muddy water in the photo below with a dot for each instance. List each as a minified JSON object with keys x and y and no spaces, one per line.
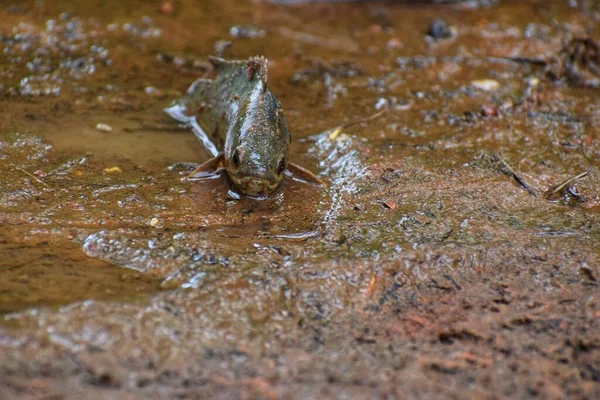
{"x":423,"y":269}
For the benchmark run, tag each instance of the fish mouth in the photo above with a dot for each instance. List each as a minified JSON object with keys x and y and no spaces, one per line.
{"x":255,"y":186}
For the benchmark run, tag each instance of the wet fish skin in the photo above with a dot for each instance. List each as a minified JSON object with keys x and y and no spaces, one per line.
{"x":244,"y":120}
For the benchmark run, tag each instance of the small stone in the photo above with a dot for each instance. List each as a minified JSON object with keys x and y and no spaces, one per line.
{"x":381,"y":103}
{"x":394,"y":44}
{"x":487,"y":85}
{"x":375,"y":29}
{"x":103,"y":128}
{"x":439,"y":29}
{"x":153,"y":92}
{"x":489,"y":111}
{"x":167,"y":8}
{"x":246,"y":31}
{"x":533,"y":82}
{"x":507,"y":105}
{"x":154,"y":222}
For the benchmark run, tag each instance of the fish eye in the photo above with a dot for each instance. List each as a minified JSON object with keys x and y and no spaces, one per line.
{"x":236,"y":158}
{"x":281,"y":166}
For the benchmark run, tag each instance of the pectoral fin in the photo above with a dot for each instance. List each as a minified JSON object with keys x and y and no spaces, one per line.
{"x":209,"y":169}
{"x":304,"y":174}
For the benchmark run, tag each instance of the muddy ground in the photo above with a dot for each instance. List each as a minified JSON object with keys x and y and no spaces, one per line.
{"x":437,"y":263}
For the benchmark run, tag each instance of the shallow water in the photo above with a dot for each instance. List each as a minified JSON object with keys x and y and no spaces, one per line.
{"x":423,"y":269}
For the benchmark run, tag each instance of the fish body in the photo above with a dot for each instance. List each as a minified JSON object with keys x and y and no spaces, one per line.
{"x":244,"y":121}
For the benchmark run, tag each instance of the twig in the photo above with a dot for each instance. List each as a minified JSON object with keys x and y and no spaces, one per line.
{"x":559,"y":188}
{"x":29,"y":174}
{"x":517,"y":178}
{"x":338,"y":129}
{"x":366,"y":119}
{"x":307,"y":38}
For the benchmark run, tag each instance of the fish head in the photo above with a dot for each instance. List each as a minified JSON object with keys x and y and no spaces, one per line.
{"x":257,"y":145}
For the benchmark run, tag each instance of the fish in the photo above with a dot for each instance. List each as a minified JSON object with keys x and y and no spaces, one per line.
{"x":242,"y":124}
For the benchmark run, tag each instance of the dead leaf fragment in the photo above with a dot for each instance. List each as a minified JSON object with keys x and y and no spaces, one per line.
{"x":113,"y":170}
{"x":390,"y":204}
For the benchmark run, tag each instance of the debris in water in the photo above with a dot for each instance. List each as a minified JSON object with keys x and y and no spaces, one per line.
{"x":487,"y":85}
{"x":184,"y":62}
{"x":439,"y":29}
{"x":507,"y":170}
{"x":320,"y":68}
{"x":390,"y":204}
{"x":233,"y":195}
{"x":154,"y":222}
{"x":489,"y":111}
{"x":342,"y":43}
{"x":29,"y":174}
{"x":167,"y":8}
{"x":68,"y":165}
{"x":221,"y":47}
{"x":334,"y":132}
{"x":153,"y":92}
{"x":565,"y":189}
{"x":104,"y":128}
{"x":113,"y":170}
{"x":579,"y":62}
{"x":394,"y":44}
{"x":246,"y":31}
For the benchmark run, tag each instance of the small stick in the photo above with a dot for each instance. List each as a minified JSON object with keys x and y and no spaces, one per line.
{"x":32,"y":176}
{"x":517,"y":178}
{"x":338,"y":129}
{"x":564,"y":184}
{"x":366,"y":119}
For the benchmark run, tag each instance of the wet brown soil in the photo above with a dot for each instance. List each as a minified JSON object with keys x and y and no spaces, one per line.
{"x":437,"y":263}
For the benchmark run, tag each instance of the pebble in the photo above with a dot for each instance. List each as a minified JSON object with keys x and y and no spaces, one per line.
{"x":246,"y":31}
{"x":167,"y":8}
{"x":439,"y":29}
{"x":489,"y":111}
{"x":153,"y":92}
{"x":154,"y":222}
{"x":533,"y":82}
{"x":394,"y":44}
{"x":488,"y":85}
{"x":103,"y":128}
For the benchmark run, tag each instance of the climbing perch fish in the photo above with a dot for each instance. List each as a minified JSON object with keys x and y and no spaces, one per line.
{"x":242,"y":124}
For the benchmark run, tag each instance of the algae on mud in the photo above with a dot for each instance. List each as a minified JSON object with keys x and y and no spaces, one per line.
{"x":469,"y":287}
